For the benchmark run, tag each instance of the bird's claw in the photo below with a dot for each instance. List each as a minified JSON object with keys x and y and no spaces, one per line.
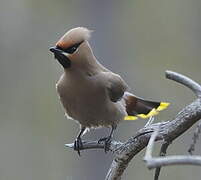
{"x":78,"y":145}
{"x":107,"y":142}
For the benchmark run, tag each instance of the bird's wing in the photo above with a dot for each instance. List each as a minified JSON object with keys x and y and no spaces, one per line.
{"x":115,"y":85}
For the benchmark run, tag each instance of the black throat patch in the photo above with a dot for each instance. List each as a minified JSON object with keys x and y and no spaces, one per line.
{"x":63,"y":60}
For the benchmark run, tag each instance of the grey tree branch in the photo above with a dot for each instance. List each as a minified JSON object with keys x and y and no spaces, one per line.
{"x":168,"y":131}
{"x":154,"y":162}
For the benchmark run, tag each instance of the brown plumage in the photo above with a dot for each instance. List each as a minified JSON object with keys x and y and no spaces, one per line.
{"x":90,"y":93}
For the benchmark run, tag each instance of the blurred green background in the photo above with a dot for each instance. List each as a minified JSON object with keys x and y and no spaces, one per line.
{"x":138,"y":39}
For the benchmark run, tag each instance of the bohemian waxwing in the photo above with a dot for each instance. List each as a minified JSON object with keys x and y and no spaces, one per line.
{"x":90,"y":93}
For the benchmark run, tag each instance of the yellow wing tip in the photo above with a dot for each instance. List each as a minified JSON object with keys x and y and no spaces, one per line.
{"x":163,"y":105}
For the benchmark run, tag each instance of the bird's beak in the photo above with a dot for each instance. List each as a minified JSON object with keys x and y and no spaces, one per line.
{"x":61,"y":57}
{"x":55,"y":50}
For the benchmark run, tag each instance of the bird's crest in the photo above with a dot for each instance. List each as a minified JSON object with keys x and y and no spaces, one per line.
{"x":74,"y":36}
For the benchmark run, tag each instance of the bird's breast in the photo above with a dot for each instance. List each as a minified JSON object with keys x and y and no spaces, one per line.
{"x":87,"y":102}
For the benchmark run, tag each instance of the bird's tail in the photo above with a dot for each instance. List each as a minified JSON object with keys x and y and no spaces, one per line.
{"x":139,"y":108}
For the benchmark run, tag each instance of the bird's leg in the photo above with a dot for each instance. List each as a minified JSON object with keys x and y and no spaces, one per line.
{"x":107,"y":140}
{"x":78,"y":142}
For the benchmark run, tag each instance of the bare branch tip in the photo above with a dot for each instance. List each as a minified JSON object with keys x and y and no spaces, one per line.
{"x":186,"y":81}
{"x":71,"y":145}
{"x":150,"y":145}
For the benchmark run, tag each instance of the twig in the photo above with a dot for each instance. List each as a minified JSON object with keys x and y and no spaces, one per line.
{"x":174,"y":160}
{"x":194,"y":86}
{"x":96,"y":145}
{"x":162,"y":153}
{"x":148,"y":154}
{"x":150,"y":121}
{"x":195,"y":138}
{"x":167,"y":161}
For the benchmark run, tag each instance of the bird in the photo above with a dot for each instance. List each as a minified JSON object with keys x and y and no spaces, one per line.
{"x":90,"y":93}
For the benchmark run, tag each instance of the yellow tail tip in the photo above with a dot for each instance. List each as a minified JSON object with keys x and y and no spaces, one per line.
{"x":153,"y":112}
{"x":130,"y":118}
{"x":163,"y":105}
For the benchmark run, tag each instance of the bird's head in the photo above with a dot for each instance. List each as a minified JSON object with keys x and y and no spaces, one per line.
{"x":72,"y":47}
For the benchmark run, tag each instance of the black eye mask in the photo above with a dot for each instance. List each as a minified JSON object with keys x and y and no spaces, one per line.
{"x":61,"y":57}
{"x":71,"y":49}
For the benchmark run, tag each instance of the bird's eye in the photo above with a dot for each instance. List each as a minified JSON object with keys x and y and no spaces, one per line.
{"x":71,"y":50}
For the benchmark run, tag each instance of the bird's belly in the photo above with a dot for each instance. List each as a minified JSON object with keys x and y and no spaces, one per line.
{"x":91,"y":110}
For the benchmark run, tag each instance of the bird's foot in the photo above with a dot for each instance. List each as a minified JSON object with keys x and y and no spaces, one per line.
{"x":107,"y":142}
{"x":78,"y":145}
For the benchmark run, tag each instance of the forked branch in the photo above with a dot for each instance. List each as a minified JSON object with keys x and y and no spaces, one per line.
{"x":154,"y":162}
